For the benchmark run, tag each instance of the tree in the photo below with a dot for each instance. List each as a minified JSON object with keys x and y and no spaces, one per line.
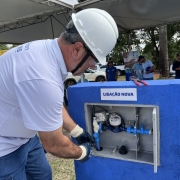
{"x":173,"y":34}
{"x":3,"y":47}
{"x":116,"y":54}
{"x":150,"y":37}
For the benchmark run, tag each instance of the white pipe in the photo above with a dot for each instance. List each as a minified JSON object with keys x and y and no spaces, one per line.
{"x":95,"y":126}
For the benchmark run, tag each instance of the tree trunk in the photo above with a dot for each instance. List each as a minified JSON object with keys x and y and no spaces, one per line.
{"x":163,"y":53}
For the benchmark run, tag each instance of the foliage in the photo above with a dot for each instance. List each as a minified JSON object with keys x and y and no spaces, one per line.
{"x":3,"y":47}
{"x":173,"y":35}
{"x":150,"y":37}
{"x":14,"y":45}
{"x":116,"y":54}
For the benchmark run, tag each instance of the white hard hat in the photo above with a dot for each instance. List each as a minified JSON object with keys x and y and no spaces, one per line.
{"x":98,"y":30}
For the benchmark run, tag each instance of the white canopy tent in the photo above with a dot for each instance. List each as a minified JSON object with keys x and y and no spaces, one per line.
{"x":26,"y":20}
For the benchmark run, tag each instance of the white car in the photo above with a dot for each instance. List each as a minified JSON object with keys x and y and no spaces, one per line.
{"x":120,"y":68}
{"x":90,"y":75}
{"x":171,"y":71}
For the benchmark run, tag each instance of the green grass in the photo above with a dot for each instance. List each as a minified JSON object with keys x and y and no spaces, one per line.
{"x":61,"y":168}
{"x":121,"y":78}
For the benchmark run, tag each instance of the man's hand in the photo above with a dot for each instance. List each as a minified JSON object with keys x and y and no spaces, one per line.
{"x":150,"y":71}
{"x":84,"y":137}
{"x":86,"y":152}
{"x":81,"y":135}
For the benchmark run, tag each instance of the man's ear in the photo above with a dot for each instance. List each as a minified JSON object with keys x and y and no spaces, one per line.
{"x":78,"y":48}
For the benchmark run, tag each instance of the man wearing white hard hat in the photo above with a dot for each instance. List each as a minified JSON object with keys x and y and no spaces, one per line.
{"x":31,"y":95}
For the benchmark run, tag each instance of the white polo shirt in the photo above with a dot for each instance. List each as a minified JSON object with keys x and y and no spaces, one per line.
{"x":31,"y":92}
{"x":127,"y":59}
{"x":146,"y":66}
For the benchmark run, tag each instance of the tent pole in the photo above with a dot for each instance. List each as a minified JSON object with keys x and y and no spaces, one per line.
{"x":163,"y":52}
{"x":52,"y":26}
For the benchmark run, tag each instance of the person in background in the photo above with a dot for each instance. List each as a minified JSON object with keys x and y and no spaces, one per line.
{"x":111,"y":72}
{"x":128,"y":63}
{"x":148,"y":68}
{"x":85,"y":80}
{"x":32,"y":79}
{"x":176,"y":66}
{"x":137,"y":69}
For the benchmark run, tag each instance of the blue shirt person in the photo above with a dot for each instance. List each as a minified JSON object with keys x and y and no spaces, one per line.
{"x":111,"y":72}
{"x":137,"y":70}
{"x":85,"y":80}
{"x":148,"y":68}
{"x":176,"y":67}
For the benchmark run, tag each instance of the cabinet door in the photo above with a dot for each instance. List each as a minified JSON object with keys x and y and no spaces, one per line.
{"x":155,"y":139}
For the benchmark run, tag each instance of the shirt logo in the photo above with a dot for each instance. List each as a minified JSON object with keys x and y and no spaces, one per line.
{"x":27,"y":46}
{"x":20,"y":48}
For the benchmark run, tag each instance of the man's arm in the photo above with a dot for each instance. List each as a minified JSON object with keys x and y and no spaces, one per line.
{"x":175,"y":67}
{"x":68,"y":123}
{"x":133,"y":70}
{"x":151,"y":70}
{"x":56,"y":143}
{"x":75,"y":131}
{"x":134,"y":73}
{"x":47,"y":117}
{"x":129,"y":64}
{"x":126,"y":64}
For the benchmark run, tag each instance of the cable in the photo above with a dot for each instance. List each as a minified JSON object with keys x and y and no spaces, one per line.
{"x":102,"y":108}
{"x":123,"y":122}
{"x":93,"y":110}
